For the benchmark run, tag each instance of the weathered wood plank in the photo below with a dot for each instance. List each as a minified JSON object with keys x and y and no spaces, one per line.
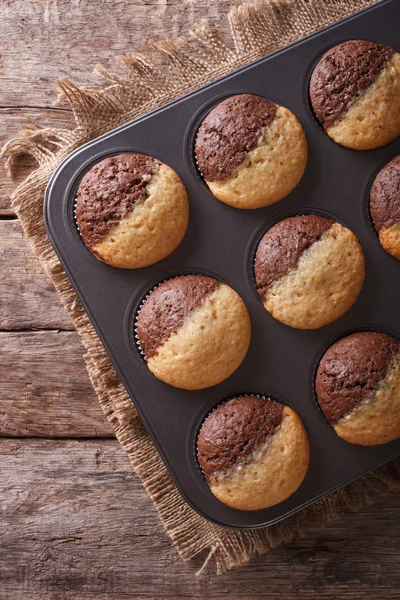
{"x":52,"y":38}
{"x":11,"y":121}
{"x":76,"y":523}
{"x":28,"y":299}
{"x":44,"y":387}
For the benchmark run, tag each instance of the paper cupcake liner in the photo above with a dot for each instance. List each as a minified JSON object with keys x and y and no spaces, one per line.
{"x":195,"y":157}
{"x":75,"y":217}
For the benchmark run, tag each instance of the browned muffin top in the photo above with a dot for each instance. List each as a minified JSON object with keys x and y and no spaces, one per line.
{"x":342,"y":74}
{"x":281,"y":247}
{"x":351,"y":370}
{"x":109,"y":191}
{"x":229,"y":132}
{"x":164,"y":311}
{"x":234,"y":430}
{"x":385,"y":195}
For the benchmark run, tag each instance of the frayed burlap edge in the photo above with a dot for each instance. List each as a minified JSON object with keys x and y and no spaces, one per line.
{"x":142,"y":84}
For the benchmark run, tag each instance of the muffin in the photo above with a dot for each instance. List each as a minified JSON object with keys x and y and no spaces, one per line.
{"x":253,"y":452}
{"x":251,"y":152}
{"x":131,"y":210}
{"x":358,"y":388}
{"x":385,"y":206}
{"x":309,"y":271}
{"x":355,"y":94}
{"x":194,"y":331}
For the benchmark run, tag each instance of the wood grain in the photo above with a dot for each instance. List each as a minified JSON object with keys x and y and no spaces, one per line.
{"x":28,"y":299}
{"x":45,"y":389}
{"x":44,"y":40}
{"x":44,"y":386}
{"x":76,"y":523}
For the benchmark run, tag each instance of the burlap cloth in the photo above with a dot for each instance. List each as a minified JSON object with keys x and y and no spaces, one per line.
{"x":143,"y":83}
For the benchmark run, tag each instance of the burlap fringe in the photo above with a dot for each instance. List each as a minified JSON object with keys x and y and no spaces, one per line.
{"x":142,"y":84}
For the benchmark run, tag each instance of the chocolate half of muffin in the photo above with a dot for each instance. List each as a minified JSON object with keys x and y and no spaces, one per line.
{"x":308,"y":270}
{"x":385,"y":206}
{"x":194,"y":331}
{"x":109,"y":191}
{"x":358,"y":387}
{"x":229,"y":132}
{"x":353,"y":91}
{"x":250,"y":151}
{"x":131,"y":210}
{"x":253,"y":452}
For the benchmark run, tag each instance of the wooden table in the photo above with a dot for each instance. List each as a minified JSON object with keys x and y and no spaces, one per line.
{"x":75,"y":522}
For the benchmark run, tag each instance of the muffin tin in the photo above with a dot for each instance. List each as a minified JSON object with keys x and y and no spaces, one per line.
{"x":221,"y":242}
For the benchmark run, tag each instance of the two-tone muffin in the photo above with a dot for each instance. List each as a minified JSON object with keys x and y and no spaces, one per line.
{"x":254,"y":452}
{"x":251,"y":152}
{"x":358,"y":388}
{"x":132,"y":210}
{"x":309,"y":271}
{"x":355,"y":94}
{"x":385,"y":206}
{"x":194,"y":331}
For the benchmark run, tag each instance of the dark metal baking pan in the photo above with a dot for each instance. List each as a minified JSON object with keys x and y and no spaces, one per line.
{"x":220,"y":241}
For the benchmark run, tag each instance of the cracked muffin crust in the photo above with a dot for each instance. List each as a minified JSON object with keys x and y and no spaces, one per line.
{"x":355,"y":94}
{"x":132,"y":210}
{"x":309,"y":271}
{"x":251,"y":152}
{"x":385,"y":206}
{"x":253,"y":452}
{"x":358,"y":388}
{"x":194,"y":331}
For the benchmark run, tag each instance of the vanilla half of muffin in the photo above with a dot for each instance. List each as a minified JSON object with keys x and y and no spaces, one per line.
{"x":358,"y":388}
{"x":309,"y":271}
{"x":194,"y":331}
{"x":131,"y":210}
{"x":355,"y":94}
{"x":250,"y":151}
{"x":385,"y":206}
{"x":254,"y":452}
